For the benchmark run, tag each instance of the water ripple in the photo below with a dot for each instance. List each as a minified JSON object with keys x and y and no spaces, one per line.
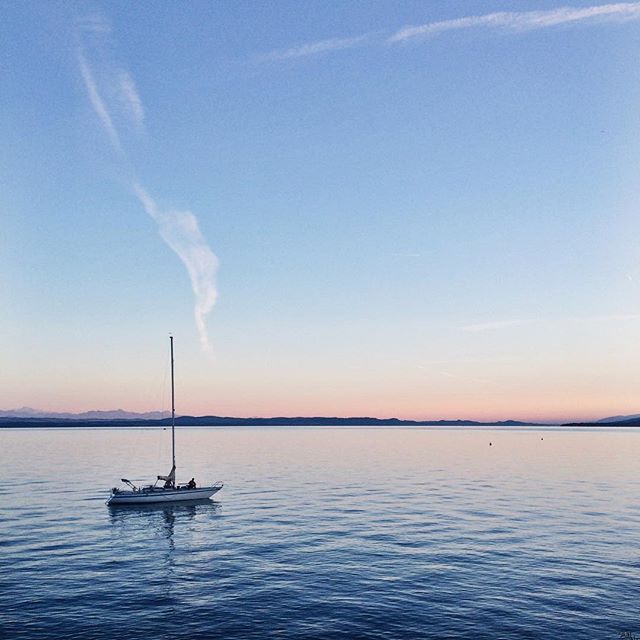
{"x":404,"y":534}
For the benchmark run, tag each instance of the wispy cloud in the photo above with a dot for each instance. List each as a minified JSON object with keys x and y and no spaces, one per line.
{"x":110,"y":87}
{"x":97,"y":102}
{"x":114,"y":97}
{"x":313,"y":48}
{"x":495,"y":325}
{"x":130,"y":99}
{"x":180,"y":230}
{"x":505,"y":324}
{"x":524,"y":20}
{"x":514,"y":21}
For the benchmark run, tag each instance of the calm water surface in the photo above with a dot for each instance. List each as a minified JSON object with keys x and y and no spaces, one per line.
{"x":323,"y":533}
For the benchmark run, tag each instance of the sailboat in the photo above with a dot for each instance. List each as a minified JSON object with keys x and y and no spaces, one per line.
{"x":168,"y":491}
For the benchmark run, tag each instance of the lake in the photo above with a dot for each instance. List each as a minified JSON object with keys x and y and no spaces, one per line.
{"x":323,"y":533}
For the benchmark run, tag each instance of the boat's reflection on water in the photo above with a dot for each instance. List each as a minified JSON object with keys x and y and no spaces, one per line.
{"x":159,"y":535}
{"x":159,"y":518}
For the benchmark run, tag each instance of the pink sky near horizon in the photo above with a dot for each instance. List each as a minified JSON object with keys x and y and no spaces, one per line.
{"x":509,"y":382}
{"x":192,"y":399}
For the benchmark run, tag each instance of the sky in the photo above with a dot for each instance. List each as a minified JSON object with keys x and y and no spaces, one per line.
{"x":416,"y":209}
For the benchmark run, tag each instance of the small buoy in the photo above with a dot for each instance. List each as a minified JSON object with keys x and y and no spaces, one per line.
{"x":541,"y":438}
{"x":489,"y":444}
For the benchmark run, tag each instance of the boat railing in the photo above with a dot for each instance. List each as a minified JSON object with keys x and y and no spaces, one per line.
{"x":185,"y":485}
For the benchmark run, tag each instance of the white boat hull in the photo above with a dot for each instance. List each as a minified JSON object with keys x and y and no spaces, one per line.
{"x":159,"y":494}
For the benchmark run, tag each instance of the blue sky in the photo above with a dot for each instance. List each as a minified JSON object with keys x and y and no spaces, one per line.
{"x":421,"y":209}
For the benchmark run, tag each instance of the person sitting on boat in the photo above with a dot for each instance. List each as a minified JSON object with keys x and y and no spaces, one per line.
{"x":191,"y":484}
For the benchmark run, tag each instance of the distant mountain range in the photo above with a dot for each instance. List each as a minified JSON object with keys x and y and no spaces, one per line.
{"x":27,"y":417}
{"x":302,"y":421}
{"x":115,"y":414}
{"x":635,"y":416}
{"x":613,"y":421}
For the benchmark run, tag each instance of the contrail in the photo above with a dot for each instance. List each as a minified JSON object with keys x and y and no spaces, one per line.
{"x":311,"y":48}
{"x":97,"y":102}
{"x":525,"y":20}
{"x":180,"y":230}
{"x":513,"y":21}
{"x":111,"y":88}
{"x":114,"y":97}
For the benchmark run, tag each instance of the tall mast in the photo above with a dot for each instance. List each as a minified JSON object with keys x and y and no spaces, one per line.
{"x":173,"y":412}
